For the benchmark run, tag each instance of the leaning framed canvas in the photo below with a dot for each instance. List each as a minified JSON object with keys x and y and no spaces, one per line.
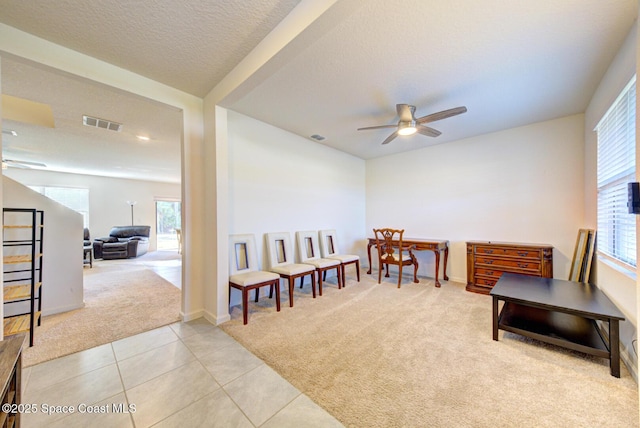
{"x":583,"y":255}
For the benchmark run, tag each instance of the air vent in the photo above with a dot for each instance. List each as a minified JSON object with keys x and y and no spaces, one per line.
{"x":317,"y":137}
{"x":101,"y":123}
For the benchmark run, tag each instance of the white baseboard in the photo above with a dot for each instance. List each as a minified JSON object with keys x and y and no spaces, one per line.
{"x":186,"y":317}
{"x":216,"y":320}
{"x":60,"y":309}
{"x":628,"y":362}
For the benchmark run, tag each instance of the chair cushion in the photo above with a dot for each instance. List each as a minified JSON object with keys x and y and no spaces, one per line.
{"x":293,"y":269}
{"x":395,"y":257}
{"x":107,"y":239}
{"x":251,"y":278}
{"x":322,"y":263}
{"x":344,"y":258}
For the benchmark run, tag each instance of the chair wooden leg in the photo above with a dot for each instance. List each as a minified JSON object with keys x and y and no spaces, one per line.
{"x":319,"y":281}
{"x":291,"y":285}
{"x":342,"y":273}
{"x":415,"y":270}
{"x":399,"y":274}
{"x":358,"y":269}
{"x":257,"y":294}
{"x":276,"y":285}
{"x":339,"y":272}
{"x":380,"y":268}
{"x":245,"y":303}
{"x":313,"y":284}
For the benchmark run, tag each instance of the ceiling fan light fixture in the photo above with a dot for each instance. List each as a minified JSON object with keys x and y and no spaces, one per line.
{"x":407,"y":128}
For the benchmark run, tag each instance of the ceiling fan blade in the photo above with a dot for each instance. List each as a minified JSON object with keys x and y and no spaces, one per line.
{"x":390,"y":138}
{"x":377,"y":127}
{"x":429,"y":132}
{"x":441,"y":115}
{"x":405,"y":112}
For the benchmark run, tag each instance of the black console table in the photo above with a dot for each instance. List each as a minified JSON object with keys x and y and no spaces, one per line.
{"x":559,"y":312}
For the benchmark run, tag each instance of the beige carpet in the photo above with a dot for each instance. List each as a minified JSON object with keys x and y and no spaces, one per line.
{"x":377,"y":356}
{"x":120,"y":301}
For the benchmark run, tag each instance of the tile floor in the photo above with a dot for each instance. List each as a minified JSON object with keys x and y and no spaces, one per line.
{"x":182,"y":375}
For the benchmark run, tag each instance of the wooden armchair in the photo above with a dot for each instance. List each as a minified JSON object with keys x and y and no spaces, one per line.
{"x":387,"y":241}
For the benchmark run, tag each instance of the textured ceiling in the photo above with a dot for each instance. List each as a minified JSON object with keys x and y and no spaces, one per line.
{"x":510,"y":63}
{"x":73,"y":147}
{"x":189,"y":45}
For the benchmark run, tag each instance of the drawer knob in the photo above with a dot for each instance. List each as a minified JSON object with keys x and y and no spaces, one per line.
{"x":488,"y":251}
{"x":523,"y":265}
{"x":522,"y":253}
{"x":489,"y":262}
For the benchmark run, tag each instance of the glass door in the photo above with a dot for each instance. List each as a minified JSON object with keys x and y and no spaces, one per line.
{"x":168,"y":225}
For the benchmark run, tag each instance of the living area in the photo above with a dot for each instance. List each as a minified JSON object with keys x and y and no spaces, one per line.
{"x":130,"y":285}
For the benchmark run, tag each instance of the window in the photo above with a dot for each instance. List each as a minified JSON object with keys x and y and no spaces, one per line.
{"x":616,"y":168}
{"x":74,"y":198}
{"x":168,"y":225}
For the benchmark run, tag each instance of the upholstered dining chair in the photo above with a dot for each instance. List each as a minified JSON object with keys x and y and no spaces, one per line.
{"x":309,"y":253}
{"x":329,"y":250}
{"x":245,"y":274}
{"x":387,"y":241}
{"x":281,"y":261}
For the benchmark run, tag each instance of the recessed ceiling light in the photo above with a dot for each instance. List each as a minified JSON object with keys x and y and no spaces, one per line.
{"x":10,"y":132}
{"x":318,"y":137}
{"x":143,"y":138}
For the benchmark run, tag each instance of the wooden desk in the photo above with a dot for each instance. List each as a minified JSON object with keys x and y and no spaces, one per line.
{"x":421,"y":245}
{"x":559,"y":312}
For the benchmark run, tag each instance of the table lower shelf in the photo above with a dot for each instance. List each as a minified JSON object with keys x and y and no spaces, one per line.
{"x":558,"y":328}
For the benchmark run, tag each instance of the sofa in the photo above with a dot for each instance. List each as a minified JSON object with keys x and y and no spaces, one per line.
{"x":123,"y":242}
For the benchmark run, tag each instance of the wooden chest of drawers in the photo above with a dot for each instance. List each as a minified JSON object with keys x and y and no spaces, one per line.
{"x":487,"y":260}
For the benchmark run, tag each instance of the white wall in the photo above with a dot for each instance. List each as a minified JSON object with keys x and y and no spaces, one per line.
{"x":280,"y":182}
{"x":520,"y":185}
{"x":618,"y":284}
{"x":62,"y":248}
{"x":107,"y":198}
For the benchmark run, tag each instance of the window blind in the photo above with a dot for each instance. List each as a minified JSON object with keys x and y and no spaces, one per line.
{"x":616,"y":134}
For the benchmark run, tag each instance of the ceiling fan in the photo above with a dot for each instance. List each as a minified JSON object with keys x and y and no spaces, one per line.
{"x":11,"y":163}
{"x":409,"y":124}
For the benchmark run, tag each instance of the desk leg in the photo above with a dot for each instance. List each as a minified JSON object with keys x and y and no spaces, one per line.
{"x":437,"y":253}
{"x":495,"y":318}
{"x":369,"y":257}
{"x":614,"y":347}
{"x":444,"y":268}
